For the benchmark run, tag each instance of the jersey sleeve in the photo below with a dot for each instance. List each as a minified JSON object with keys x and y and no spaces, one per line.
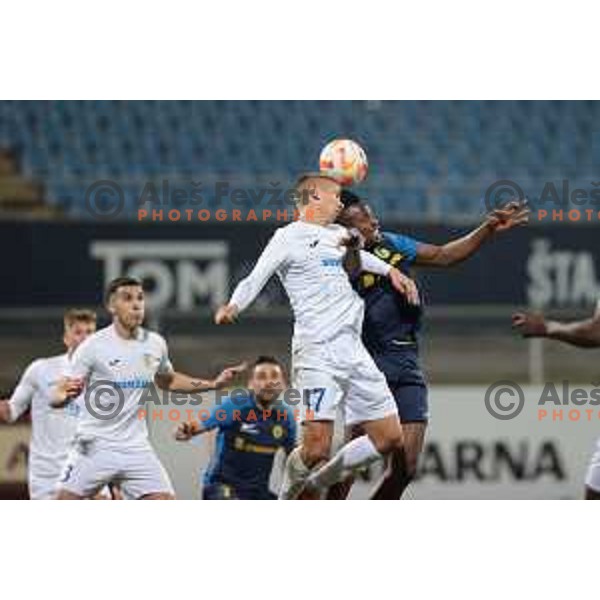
{"x":82,"y":361}
{"x":273,"y":256}
{"x":290,"y":441}
{"x":404,"y":244}
{"x":21,"y":398}
{"x":165,"y":365}
{"x":372,"y":264}
{"x":222,"y":416}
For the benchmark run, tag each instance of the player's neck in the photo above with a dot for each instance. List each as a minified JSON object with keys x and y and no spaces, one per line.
{"x":312,"y":217}
{"x":124,"y":332}
{"x":264,"y":404}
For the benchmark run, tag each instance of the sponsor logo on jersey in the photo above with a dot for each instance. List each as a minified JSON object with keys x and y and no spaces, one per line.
{"x":250,"y":428}
{"x":331,"y":262}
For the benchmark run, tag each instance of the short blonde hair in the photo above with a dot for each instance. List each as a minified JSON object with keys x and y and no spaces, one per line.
{"x":303,"y":183}
{"x":79,"y":315}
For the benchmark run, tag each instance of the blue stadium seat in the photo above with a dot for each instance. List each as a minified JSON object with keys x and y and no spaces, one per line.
{"x":427,"y":158}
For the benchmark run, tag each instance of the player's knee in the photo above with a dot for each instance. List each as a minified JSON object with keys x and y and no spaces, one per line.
{"x":389,"y":443}
{"x":158,"y":496}
{"x":66,"y":495}
{"x":315,"y":453}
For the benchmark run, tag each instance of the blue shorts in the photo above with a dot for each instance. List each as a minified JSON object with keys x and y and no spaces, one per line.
{"x":224,"y":491}
{"x":406,"y":381}
{"x":412,"y":402}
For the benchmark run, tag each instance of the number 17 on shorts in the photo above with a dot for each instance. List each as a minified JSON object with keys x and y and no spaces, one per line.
{"x":320,"y":395}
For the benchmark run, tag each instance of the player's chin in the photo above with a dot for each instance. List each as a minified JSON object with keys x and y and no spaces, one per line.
{"x":136,"y":319}
{"x":270,"y":395}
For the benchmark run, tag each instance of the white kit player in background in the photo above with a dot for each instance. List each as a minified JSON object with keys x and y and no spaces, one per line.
{"x":52,"y":429}
{"x":115,"y":365}
{"x":330,"y":365}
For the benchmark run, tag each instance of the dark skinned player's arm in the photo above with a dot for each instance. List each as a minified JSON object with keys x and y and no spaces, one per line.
{"x":583,"y":334}
{"x":454,"y":251}
{"x":458,"y":250}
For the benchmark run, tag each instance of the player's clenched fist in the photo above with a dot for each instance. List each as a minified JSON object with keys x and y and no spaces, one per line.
{"x":529,"y":324}
{"x":226,"y":314}
{"x":227,"y":375}
{"x":185,"y":431}
{"x":405,"y":285}
{"x":67,"y":389}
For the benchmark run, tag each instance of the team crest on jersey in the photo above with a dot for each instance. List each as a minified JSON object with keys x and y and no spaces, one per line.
{"x":277,"y":431}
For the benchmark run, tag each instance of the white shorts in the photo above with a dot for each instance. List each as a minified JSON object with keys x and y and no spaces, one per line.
{"x":93,"y":465}
{"x":42,"y":488}
{"x":341,"y":374}
{"x":592,"y":479}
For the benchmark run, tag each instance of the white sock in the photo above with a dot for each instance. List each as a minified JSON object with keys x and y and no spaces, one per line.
{"x":353,"y":455}
{"x":294,"y":476}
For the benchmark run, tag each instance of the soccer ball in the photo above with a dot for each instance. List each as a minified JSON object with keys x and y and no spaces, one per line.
{"x":345,"y":161}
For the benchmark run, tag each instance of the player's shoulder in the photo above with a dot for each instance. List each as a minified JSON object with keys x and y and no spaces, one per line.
{"x":102,"y":335}
{"x":399,"y":240}
{"x":102,"y":338}
{"x":300,"y":229}
{"x":37,"y":365}
{"x":53,"y":361}
{"x":290,"y":230}
{"x":395,"y":235}
{"x":153,"y":338}
{"x":337,"y":228}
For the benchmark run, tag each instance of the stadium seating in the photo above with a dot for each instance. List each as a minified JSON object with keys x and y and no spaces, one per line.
{"x":429,"y":160}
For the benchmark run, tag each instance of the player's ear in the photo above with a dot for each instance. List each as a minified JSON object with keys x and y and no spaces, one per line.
{"x":110,"y":307}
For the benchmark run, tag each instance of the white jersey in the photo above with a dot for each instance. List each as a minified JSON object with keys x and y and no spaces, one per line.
{"x":52,"y":429}
{"x":117,"y":372}
{"x":308,"y":259}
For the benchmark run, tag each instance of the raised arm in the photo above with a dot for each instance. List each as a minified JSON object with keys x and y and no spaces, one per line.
{"x":458,"y":250}
{"x":584,"y":334}
{"x":272,"y":257}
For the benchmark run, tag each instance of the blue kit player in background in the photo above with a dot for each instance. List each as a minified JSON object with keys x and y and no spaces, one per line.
{"x":251,"y":427}
{"x":391,"y":325}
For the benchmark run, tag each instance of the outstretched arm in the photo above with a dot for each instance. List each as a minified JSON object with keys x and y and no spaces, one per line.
{"x":188,"y":429}
{"x":584,"y":334}
{"x":179,"y":382}
{"x":455,"y":251}
{"x":221,"y":416}
{"x":247,"y":290}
